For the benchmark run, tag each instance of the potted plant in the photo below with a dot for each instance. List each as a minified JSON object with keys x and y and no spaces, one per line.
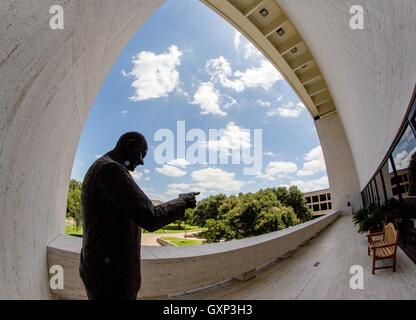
{"x":374,"y":218}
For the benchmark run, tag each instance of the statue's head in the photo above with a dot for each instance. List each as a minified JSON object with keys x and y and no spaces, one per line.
{"x":131,"y":149}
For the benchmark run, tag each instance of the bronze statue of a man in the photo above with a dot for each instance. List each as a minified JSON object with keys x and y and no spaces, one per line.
{"x":114,"y":208}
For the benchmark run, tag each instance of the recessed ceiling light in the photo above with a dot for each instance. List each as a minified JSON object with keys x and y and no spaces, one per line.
{"x":264,"y":12}
{"x":294,"y":50}
{"x":280,"y":31}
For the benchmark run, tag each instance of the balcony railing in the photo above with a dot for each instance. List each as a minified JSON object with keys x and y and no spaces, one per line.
{"x":172,"y":270}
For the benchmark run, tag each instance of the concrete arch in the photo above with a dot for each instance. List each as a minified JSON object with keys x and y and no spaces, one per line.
{"x":49,"y":80}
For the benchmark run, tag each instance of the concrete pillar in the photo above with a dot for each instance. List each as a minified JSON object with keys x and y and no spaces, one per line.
{"x":340,"y":164}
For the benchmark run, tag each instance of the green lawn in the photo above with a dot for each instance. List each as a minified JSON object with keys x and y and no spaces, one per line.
{"x":173,"y":228}
{"x":70,"y":230}
{"x":182,"y":242}
{"x":170,"y":228}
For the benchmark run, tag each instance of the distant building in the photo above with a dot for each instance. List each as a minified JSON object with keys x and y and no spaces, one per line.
{"x":319,"y":201}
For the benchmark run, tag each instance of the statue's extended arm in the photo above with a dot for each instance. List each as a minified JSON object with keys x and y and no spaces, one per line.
{"x":119,"y":186}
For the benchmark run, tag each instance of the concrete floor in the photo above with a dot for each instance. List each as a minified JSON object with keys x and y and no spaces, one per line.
{"x":299,"y":276}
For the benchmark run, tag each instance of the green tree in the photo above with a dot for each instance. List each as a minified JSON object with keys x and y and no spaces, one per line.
{"x":297,"y":201}
{"x":73,"y":208}
{"x":253,"y":214}
{"x":207,"y":209}
{"x":276,"y":218}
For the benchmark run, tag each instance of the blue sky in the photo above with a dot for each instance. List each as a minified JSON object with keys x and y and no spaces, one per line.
{"x":188,"y":64}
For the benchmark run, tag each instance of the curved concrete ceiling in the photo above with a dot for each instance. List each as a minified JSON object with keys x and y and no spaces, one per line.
{"x":366,"y":76}
{"x":274,"y":34}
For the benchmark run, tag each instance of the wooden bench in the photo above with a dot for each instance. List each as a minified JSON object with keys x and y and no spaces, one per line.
{"x":383,"y":246}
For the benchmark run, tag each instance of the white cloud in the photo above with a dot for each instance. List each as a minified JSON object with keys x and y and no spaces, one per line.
{"x":154,"y":196}
{"x":278,"y":169}
{"x":314,"y":162}
{"x":249,"y":50}
{"x":181,"y":163}
{"x":311,"y":185}
{"x":220,"y":71}
{"x":301,"y":105}
{"x":124,"y":113}
{"x":136,"y":175}
{"x":231,"y":102}
{"x":207,"y":181}
{"x":155,"y":75}
{"x":264,"y":75}
{"x":263,"y":103}
{"x":289,"y":110}
{"x":97,"y":156}
{"x":207,"y":97}
{"x":171,"y":171}
{"x":180,"y":90}
{"x":177,"y":188}
{"x":231,"y":138}
{"x":237,"y":40}
{"x":402,"y":159}
{"x":146,"y":171}
{"x":269,"y":153}
{"x":215,"y":179}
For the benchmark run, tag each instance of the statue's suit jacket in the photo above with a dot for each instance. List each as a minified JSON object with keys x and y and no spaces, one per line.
{"x":114,"y":210}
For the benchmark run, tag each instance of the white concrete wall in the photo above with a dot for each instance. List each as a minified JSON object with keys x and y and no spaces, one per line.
{"x":170,"y":270}
{"x":340,"y":167}
{"x":48,"y":81}
{"x":371,"y":73}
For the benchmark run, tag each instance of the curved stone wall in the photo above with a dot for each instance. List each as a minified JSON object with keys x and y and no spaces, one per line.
{"x":48,"y":81}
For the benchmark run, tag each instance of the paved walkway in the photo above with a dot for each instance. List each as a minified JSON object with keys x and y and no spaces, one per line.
{"x":320,"y":270}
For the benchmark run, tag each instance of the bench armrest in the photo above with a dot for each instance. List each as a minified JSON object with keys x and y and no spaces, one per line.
{"x":383,"y":246}
{"x":375,"y":234}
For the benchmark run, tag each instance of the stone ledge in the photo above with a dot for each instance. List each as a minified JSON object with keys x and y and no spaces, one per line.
{"x":168,"y":270}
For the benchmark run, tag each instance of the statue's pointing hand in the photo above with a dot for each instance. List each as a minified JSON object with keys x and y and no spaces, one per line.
{"x":189,"y":199}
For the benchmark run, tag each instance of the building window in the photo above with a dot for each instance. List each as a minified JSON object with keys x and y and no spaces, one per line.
{"x":308,"y":199}
{"x":329,"y":205}
{"x":402,"y":154}
{"x":328,"y":196}
{"x":322,"y":197}
{"x":324,"y":206}
{"x":316,"y":207}
{"x":404,"y":151}
{"x":315,"y":199}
